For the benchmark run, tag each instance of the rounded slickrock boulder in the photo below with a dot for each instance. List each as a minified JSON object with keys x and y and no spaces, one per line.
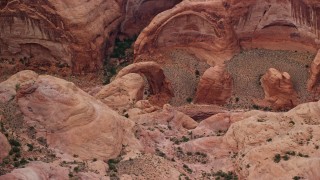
{"x":215,"y":86}
{"x":278,"y":89}
{"x":314,"y":79}
{"x":73,"y":121}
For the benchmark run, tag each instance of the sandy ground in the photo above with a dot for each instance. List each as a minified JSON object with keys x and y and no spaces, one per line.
{"x":181,"y":71}
{"x":247,"y":68}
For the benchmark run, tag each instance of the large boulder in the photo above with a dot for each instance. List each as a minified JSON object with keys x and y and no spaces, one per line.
{"x":215,"y":86}
{"x":72,"y":121}
{"x":123,"y":92}
{"x":5,"y":147}
{"x":278,"y":89}
{"x":314,"y":79}
{"x":9,"y":87}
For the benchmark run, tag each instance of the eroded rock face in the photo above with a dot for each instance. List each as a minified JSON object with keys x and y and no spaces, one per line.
{"x":9,"y":87}
{"x":139,"y":13}
{"x":123,"y":92}
{"x":57,"y":33}
{"x":278,"y":89}
{"x":215,"y":86}
{"x":159,"y":85}
{"x":215,"y":30}
{"x":38,"y":170}
{"x":199,"y":25}
{"x":314,"y":79}
{"x":285,"y":25}
{"x":258,"y":139}
{"x":5,"y":147}
{"x":71,"y":120}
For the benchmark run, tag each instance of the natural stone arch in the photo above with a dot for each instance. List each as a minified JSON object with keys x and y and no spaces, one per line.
{"x":154,"y":74}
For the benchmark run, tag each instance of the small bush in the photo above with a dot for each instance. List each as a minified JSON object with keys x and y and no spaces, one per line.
{"x":15,"y":149}
{"x":291,"y":153}
{"x":189,"y":99}
{"x":14,"y":142}
{"x":285,"y":157}
{"x":197,"y":73}
{"x":226,"y":176}
{"x":187,"y":169}
{"x":185,"y":139}
{"x":70,"y":175}
{"x":296,"y":178}
{"x":30,"y":147}
{"x":16,"y":164}
{"x":277,"y":158}
{"x":255,"y":107}
{"x":23,"y":161}
{"x":160,"y":153}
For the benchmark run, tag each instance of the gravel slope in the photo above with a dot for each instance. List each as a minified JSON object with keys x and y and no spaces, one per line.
{"x":247,"y":68}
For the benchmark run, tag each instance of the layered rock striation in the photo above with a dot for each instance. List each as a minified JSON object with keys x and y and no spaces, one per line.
{"x":215,"y":30}
{"x":58,"y":33}
{"x":278,"y":89}
{"x":215,"y":86}
{"x":72,"y":121}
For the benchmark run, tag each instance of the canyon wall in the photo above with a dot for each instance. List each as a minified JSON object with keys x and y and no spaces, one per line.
{"x":139,"y":13}
{"x":76,"y":34}
{"x":216,"y":30}
{"x":69,"y":34}
{"x":57,"y":33}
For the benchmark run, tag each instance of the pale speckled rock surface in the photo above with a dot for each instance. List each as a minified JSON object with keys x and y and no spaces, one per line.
{"x":58,"y":109}
{"x":123,"y":92}
{"x":9,"y":87}
{"x":259,"y":138}
{"x":38,"y":170}
{"x":5,"y":146}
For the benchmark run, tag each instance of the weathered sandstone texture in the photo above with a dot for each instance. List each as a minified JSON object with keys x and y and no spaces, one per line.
{"x":5,"y":146}
{"x":58,"y":32}
{"x":9,"y":87}
{"x":247,"y":143}
{"x":215,"y":30}
{"x":38,"y":170}
{"x":159,"y":86}
{"x":71,"y":120}
{"x":139,"y":13}
{"x":123,"y":92}
{"x":215,"y":86}
{"x":278,"y":89}
{"x":314,"y":79}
